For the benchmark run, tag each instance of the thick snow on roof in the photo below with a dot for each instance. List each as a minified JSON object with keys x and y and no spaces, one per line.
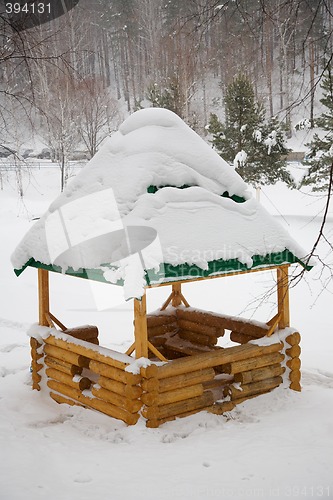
{"x":152,"y":147}
{"x":84,"y":226}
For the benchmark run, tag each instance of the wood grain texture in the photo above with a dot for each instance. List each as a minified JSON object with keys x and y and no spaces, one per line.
{"x":96,"y":404}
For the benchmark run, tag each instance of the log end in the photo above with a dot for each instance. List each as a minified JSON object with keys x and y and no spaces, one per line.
{"x":220,"y":408}
{"x":294,"y":351}
{"x":149,"y":372}
{"x":295,"y":386}
{"x":295,"y":376}
{"x":293,"y":339}
{"x":153,"y":423}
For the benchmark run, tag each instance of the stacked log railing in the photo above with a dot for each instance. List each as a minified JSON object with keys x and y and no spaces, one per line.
{"x":167,"y":397}
{"x":216,"y":324}
{"x":187,"y":331}
{"x":184,"y":332}
{"x":78,"y":374}
{"x":200,"y":374}
{"x":193,"y":383}
{"x":36,"y":362}
{"x":212,"y":378}
{"x":293,"y":362}
{"x":257,"y":375}
{"x":160,"y":328}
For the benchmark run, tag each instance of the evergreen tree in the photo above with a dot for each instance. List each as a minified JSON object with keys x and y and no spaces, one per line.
{"x":255,"y":147}
{"x":320,"y":157}
{"x":169,"y":96}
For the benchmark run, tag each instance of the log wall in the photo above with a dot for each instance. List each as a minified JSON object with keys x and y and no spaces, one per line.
{"x":293,"y":352}
{"x":78,"y":375}
{"x":89,"y":333}
{"x":159,"y":329}
{"x":215,"y":381}
{"x":36,"y":363}
{"x":187,"y":332}
{"x":212,"y":378}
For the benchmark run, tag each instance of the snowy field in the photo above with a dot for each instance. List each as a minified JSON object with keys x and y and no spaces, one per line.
{"x":275,"y":446}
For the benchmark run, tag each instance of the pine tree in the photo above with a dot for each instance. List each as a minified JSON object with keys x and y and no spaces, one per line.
{"x":255,"y":147}
{"x":168,"y":97}
{"x":320,"y":157}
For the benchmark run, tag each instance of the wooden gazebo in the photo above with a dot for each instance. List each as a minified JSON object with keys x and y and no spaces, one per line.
{"x":176,"y":365}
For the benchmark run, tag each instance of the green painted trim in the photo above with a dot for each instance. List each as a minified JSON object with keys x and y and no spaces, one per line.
{"x":234,"y":197}
{"x":89,"y":274}
{"x":153,"y":189}
{"x":221,"y":267}
{"x":169,"y":273}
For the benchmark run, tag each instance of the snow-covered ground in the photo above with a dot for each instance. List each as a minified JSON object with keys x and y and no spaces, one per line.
{"x":275,"y":446}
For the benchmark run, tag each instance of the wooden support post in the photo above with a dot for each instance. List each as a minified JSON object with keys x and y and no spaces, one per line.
{"x":283,"y":296}
{"x":140,"y":328}
{"x":43,"y":307}
{"x":43,"y":296}
{"x":176,"y":295}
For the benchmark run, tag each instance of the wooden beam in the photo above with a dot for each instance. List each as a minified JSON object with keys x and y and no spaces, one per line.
{"x":272,"y":323}
{"x":151,"y":348}
{"x":114,"y":373}
{"x":63,"y":366}
{"x":167,"y":302}
{"x":140,"y":328}
{"x":210,"y":359}
{"x":57,"y":322}
{"x":184,"y":301}
{"x":155,"y":351}
{"x":49,"y":321}
{"x":95,"y":403}
{"x":88,"y":353}
{"x":176,"y":294}
{"x":68,"y":356}
{"x":283,"y":296}
{"x":201,"y":278}
{"x":131,"y":349}
{"x":162,"y":320}
{"x":43,"y":296}
{"x":176,"y":297}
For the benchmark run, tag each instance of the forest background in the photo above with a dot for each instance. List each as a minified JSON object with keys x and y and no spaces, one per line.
{"x":69,"y":83}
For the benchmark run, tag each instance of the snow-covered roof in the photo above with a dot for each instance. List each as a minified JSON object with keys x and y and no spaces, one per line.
{"x":155,"y":204}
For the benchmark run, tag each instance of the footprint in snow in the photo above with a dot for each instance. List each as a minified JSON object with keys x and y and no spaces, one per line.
{"x":324,"y":379}
{"x":82,"y":479}
{"x":171,"y":438}
{"x":326,"y":374}
{"x":47,"y":423}
{"x":4,"y":372}
{"x":10,"y":347}
{"x":14,"y":324}
{"x":117,"y":439}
